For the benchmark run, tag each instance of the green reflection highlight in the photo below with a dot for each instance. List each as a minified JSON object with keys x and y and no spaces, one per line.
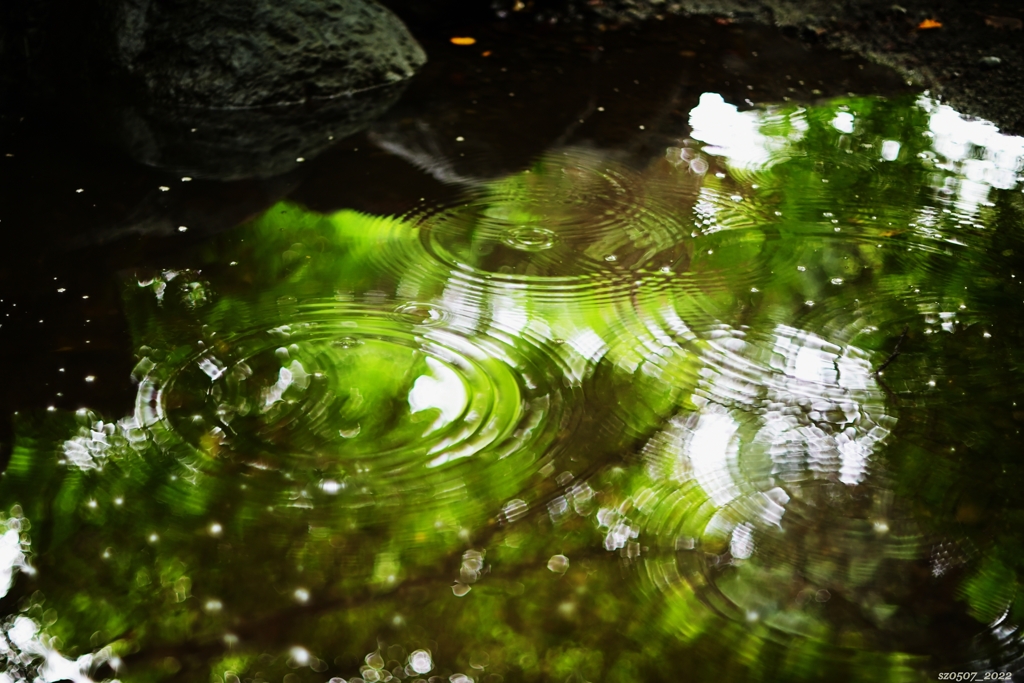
{"x":741,"y":412}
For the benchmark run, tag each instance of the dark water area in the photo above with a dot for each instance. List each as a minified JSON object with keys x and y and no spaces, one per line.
{"x":674,"y":352}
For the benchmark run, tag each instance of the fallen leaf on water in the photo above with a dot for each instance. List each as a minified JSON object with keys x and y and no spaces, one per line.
{"x":485,"y":53}
{"x":463,"y":40}
{"x":930,"y":23}
{"x":1011,"y":23}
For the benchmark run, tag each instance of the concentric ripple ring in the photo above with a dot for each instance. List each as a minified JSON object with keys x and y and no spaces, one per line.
{"x":385,"y":402}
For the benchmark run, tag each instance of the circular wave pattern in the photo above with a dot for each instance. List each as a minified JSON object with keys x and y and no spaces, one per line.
{"x":770,"y":513}
{"x":733,"y":318}
{"x":766,"y":501}
{"x":373,"y":401}
{"x":529,"y":238}
{"x":788,"y":571}
{"x":574,"y":217}
{"x":768,"y":504}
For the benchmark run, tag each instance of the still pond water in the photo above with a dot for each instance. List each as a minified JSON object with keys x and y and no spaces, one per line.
{"x":743,"y":408}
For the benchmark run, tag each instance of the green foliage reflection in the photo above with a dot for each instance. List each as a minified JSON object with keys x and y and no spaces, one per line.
{"x":593,"y":423}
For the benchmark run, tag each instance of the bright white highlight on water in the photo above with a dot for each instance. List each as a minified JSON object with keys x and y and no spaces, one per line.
{"x":976,"y":150}
{"x":299,"y":655}
{"x":421,"y":662}
{"x":737,"y":135}
{"x":843,"y":122}
{"x":955,"y":136}
{"x":212,"y":367}
{"x":890,"y":150}
{"x":27,"y":642}
{"x":329,"y":486}
{"x":509,"y":313}
{"x":742,"y":544}
{"x":727,"y":131}
{"x":88,"y":450}
{"x":710,"y":449}
{"x":813,"y":413}
{"x":292,"y":376}
{"x":441,"y":390}
{"x":11,"y":557}
{"x":836,"y":371}
{"x":588,"y":344}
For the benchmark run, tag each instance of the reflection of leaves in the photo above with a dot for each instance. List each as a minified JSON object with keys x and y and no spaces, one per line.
{"x":990,"y":590}
{"x":201,"y":546}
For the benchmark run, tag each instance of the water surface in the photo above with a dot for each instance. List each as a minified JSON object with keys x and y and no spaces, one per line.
{"x":744,"y":408}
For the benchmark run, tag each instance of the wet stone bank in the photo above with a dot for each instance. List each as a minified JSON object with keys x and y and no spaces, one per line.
{"x":969,"y":54}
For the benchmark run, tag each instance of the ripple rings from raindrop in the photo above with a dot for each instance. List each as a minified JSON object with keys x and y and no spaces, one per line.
{"x":392,"y":404}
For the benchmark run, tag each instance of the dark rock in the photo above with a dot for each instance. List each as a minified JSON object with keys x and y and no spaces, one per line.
{"x":244,"y":88}
{"x":245,"y":53}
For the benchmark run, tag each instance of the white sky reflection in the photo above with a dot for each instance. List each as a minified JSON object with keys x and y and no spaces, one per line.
{"x":442,"y":390}
{"x":711,"y":447}
{"x":24,"y":641}
{"x":24,"y":635}
{"x":767,"y":425}
{"x":976,"y":150}
{"x":734,"y":134}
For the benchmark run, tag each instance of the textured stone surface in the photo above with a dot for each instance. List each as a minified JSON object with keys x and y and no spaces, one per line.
{"x":245,"y":53}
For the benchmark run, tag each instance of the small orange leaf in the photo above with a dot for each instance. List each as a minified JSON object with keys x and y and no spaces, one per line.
{"x":930,"y":23}
{"x":463,"y":40}
{"x":485,"y":53}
